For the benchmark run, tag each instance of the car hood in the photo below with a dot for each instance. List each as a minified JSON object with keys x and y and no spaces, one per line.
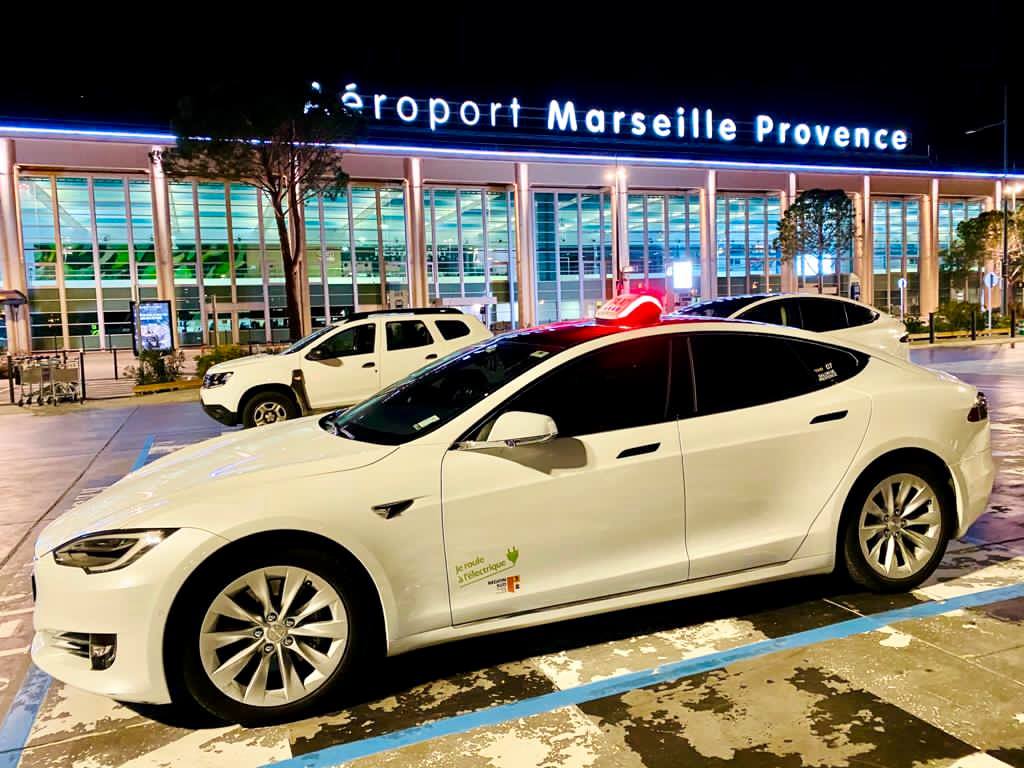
{"x":224,"y":467}
{"x":243,"y":362}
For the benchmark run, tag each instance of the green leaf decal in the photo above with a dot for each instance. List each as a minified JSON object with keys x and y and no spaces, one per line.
{"x":512,"y":555}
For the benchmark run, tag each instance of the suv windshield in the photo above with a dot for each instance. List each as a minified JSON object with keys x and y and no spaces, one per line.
{"x":305,"y":341}
{"x":431,"y":397}
{"x":719,"y":307}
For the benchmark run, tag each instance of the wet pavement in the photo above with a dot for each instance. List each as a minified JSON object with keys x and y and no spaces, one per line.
{"x":915,"y":688}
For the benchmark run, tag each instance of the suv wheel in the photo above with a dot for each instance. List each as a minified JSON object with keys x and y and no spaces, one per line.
{"x":265,"y":408}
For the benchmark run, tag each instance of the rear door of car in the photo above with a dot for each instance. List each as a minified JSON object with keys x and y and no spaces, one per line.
{"x":775,"y":428}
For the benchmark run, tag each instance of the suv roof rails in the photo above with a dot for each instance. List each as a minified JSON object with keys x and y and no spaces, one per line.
{"x":410,"y":311}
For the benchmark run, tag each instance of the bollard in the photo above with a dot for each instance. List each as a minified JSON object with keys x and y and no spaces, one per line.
{"x":115,"y":362}
{"x":81,"y":371}
{"x":1013,"y":323}
{"x":10,"y":376}
{"x":974,"y":325}
{"x":931,"y":327}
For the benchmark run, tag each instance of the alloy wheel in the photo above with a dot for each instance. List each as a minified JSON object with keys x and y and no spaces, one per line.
{"x":900,"y":526}
{"x":273,"y":636}
{"x":269,"y":413}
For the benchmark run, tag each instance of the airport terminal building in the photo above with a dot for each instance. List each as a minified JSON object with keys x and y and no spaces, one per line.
{"x":521,"y":213}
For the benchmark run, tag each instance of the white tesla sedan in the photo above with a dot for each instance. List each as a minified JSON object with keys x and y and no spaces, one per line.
{"x":838,"y":318}
{"x":544,"y":474}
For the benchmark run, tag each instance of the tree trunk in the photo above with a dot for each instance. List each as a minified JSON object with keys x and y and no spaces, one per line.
{"x":291,"y":285}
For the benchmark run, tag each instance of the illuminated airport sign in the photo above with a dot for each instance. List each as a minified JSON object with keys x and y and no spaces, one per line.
{"x":682,"y":124}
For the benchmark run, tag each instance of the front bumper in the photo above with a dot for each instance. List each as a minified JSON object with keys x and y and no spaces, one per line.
{"x":132,"y":603}
{"x":219,"y":413}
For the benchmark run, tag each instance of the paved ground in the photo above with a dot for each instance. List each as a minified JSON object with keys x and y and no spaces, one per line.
{"x":938,"y":684}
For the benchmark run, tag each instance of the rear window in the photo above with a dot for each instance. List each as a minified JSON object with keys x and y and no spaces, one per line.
{"x":452,"y":329}
{"x":858,"y":314}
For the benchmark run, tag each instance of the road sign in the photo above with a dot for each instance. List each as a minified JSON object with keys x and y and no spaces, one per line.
{"x":901,"y":283}
{"x":991,"y":279}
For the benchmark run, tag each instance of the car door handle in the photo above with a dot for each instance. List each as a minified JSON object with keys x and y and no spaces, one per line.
{"x":369,"y":365}
{"x":821,"y":418}
{"x":638,"y":450}
{"x":431,"y":356}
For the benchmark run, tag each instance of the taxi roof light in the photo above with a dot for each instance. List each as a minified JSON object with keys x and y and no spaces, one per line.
{"x":633,"y":309}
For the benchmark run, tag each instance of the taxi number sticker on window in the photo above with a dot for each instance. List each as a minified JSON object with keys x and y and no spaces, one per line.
{"x":825,"y":373}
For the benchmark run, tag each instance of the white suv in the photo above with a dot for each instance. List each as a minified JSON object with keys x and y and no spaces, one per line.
{"x":335,"y":366}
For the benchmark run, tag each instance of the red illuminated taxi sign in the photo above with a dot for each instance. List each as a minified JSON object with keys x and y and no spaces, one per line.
{"x":631,"y":309}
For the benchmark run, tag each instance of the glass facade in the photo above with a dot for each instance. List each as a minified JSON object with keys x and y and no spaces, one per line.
{"x":470,"y":247}
{"x":573,"y":252}
{"x":951,"y":213}
{"x":746,"y":226}
{"x":896,"y":247}
{"x":90,"y":249}
{"x":664,"y":236}
{"x":83,"y":265}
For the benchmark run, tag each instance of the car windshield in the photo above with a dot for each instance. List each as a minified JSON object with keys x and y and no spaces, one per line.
{"x":719,"y":307}
{"x":305,"y":341}
{"x":432,"y":396}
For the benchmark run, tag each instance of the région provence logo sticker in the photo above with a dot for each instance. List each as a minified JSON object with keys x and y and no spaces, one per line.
{"x":480,"y":568}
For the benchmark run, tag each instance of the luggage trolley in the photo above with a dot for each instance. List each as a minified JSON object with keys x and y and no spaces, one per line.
{"x":47,"y":380}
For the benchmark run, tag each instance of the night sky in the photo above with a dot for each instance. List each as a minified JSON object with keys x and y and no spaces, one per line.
{"x":935,"y":67}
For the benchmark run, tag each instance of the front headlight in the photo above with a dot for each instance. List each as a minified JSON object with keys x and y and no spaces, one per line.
{"x":103,"y":552}
{"x":216,"y":379}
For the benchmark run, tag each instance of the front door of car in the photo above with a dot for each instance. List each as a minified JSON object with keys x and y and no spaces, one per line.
{"x":597,"y":511}
{"x":408,"y":346}
{"x":775,"y":430}
{"x":343,"y":368}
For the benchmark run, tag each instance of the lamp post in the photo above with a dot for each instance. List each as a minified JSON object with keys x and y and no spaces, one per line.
{"x":1005,"y":123}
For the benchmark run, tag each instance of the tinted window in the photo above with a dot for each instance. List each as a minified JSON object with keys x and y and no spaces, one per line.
{"x":352,"y":341}
{"x":434,"y":395}
{"x":719,"y":307}
{"x":735,"y":370}
{"x":620,"y":386}
{"x":407,"y":334}
{"x":858,"y":314}
{"x":778,"y":312}
{"x":452,"y":329}
{"x":828,"y":365}
{"x":822,"y":315}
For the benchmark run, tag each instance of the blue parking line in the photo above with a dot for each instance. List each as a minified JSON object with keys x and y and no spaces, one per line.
{"x":342,"y":753}
{"x":22,"y":714}
{"x":140,"y":461}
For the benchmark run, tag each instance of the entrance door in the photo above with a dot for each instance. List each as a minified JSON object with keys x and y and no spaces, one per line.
{"x":597,"y":511}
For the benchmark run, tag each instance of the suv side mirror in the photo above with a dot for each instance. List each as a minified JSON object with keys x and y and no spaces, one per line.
{"x":513,"y":429}
{"x":317,"y":353}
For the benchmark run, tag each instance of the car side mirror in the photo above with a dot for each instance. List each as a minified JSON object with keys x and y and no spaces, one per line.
{"x":319,"y":353}
{"x":514,"y":429}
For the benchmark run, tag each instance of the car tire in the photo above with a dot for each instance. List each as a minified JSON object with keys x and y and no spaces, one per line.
{"x":268,"y":407}
{"x":889,"y":543}
{"x":289,"y":671}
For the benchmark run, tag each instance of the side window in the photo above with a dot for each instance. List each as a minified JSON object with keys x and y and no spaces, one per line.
{"x":858,"y":314}
{"x":740,"y":370}
{"x":828,"y":365}
{"x":822,"y":315}
{"x":769,"y":312}
{"x":452,"y":329}
{"x":352,"y":341}
{"x":407,"y":334}
{"x":617,"y":387}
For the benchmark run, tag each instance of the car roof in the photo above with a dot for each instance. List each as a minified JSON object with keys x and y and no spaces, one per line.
{"x":566,"y":334}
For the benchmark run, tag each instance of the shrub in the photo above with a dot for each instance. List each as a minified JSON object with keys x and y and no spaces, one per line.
{"x":156,"y":368}
{"x":218,"y":354}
